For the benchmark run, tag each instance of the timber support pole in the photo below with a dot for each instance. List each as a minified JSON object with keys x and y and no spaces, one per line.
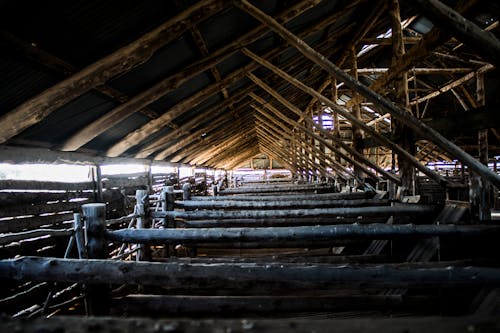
{"x":142,"y":210}
{"x":418,"y":126}
{"x":95,"y":225}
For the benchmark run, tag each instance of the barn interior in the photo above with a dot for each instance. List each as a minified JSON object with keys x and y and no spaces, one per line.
{"x":284,"y":165}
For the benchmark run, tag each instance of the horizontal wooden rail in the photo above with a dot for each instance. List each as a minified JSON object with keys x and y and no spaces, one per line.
{"x":296,"y":234}
{"x":242,"y":276}
{"x":411,"y":209}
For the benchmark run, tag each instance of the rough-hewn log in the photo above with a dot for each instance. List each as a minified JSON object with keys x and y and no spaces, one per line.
{"x":318,"y":212}
{"x":290,"y":197}
{"x":305,"y":203}
{"x":241,"y":276}
{"x":120,"y":61}
{"x":307,"y":188}
{"x":277,"y":222}
{"x":19,"y":198}
{"x":95,"y":223}
{"x":372,"y":96}
{"x":45,"y":156}
{"x":262,"y":305}
{"x":483,"y":42}
{"x":358,"y":160}
{"x":344,"y":112}
{"x":75,"y":324}
{"x":296,"y":234}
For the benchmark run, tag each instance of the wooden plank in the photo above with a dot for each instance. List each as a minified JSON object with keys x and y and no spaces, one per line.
{"x":19,"y":224}
{"x":6,"y":239}
{"x":44,"y":185}
{"x":120,"y":61}
{"x":27,"y":209}
{"x":406,"y":118}
{"x":243,"y":276}
{"x":34,"y":198}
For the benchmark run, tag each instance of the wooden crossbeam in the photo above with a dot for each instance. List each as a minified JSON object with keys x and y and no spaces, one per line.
{"x":172,"y":82}
{"x":406,"y":118}
{"x":483,"y":42}
{"x":120,"y":61}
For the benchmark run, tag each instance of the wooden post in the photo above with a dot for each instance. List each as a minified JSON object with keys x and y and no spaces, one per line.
{"x":480,"y":188}
{"x":141,"y":209}
{"x":80,"y":241}
{"x":167,"y":198}
{"x":95,"y":227}
{"x":186,"y":191}
{"x":357,"y":132}
{"x":418,"y":126}
{"x":402,"y":133}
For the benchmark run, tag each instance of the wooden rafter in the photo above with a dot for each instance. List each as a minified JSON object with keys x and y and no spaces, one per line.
{"x":120,"y":61}
{"x":370,"y":95}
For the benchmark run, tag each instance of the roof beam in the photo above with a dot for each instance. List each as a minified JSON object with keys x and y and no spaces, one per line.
{"x":406,"y":118}
{"x":348,"y":115}
{"x":120,"y":61}
{"x":482,"y":42}
{"x":172,"y":82}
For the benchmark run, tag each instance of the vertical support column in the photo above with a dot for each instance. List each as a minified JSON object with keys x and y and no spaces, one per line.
{"x":142,"y":210}
{"x":357,"y":132}
{"x":79,"y":238}
{"x":167,"y":204}
{"x":404,"y":135}
{"x":186,"y":192}
{"x":95,"y":227}
{"x":479,"y":187}
{"x":97,"y":178}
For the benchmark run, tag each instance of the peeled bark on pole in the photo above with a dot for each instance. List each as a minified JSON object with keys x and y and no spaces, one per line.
{"x":305,"y":203}
{"x":290,"y":197}
{"x":242,"y":276}
{"x":297,"y":234}
{"x":95,"y":223}
{"x":411,"y":209}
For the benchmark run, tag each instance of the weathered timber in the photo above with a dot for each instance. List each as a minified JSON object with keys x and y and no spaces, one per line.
{"x":15,"y":237}
{"x":307,"y":188}
{"x":483,"y":42}
{"x":296,"y":234}
{"x":274,"y":245}
{"x":317,"y":212}
{"x":305,"y":203}
{"x":142,"y":221}
{"x":75,"y":324}
{"x":174,"y":81}
{"x":43,"y":185}
{"x":17,"y":198}
{"x":79,"y":236}
{"x":290,"y":197}
{"x":95,"y":224}
{"x":27,"y":209}
{"x":9,"y":154}
{"x":405,"y":117}
{"x":263,"y":305}
{"x":241,"y":276}
{"x":120,"y":61}
{"x":19,"y":224}
{"x":347,"y":114}
{"x":358,"y":159}
{"x":277,"y":222}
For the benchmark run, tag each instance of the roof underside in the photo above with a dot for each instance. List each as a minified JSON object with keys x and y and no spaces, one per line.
{"x":193,"y":100}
